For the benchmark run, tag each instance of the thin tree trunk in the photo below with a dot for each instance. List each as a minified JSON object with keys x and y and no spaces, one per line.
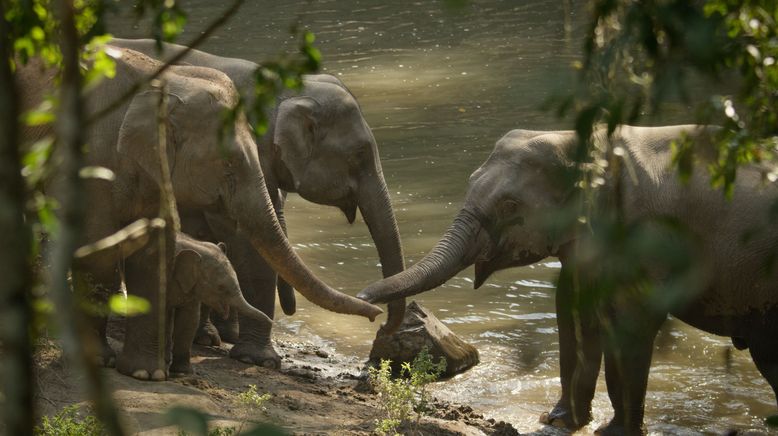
{"x":16,"y":365}
{"x":79,"y":344}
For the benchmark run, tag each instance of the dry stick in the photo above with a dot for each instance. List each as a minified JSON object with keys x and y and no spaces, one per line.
{"x":78,"y":343}
{"x":16,"y":375}
{"x":215,"y":25}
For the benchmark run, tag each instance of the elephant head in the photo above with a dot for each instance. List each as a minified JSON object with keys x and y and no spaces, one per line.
{"x":202,"y":270}
{"x":207,"y":173}
{"x":326,"y":153}
{"x":505,"y":218}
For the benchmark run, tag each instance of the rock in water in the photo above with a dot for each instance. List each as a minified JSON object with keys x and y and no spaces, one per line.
{"x":421,"y":328}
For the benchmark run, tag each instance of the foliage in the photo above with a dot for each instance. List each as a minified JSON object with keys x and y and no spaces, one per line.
{"x":69,"y":422}
{"x":272,"y":78}
{"x":248,"y":403}
{"x":403,"y":396}
{"x":639,"y":55}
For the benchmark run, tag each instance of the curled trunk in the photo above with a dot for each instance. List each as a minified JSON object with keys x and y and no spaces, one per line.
{"x":376,"y":209}
{"x":245,"y":309}
{"x":456,"y":250}
{"x":253,"y":209}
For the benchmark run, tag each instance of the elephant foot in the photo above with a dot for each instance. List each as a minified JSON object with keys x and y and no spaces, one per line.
{"x":228,"y":328}
{"x":181,"y":370}
{"x":617,"y":429}
{"x":107,"y":357}
{"x":208,"y":335}
{"x":265,"y":356}
{"x":562,"y":417}
{"x":141,"y":369}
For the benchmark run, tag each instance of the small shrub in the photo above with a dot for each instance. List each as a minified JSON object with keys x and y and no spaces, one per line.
{"x":406,"y":395}
{"x":250,"y":403}
{"x":69,"y":422}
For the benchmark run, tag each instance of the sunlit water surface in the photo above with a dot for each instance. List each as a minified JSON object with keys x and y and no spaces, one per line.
{"x":438,"y":89}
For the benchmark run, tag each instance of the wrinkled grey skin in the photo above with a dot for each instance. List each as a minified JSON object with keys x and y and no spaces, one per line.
{"x":201,"y":273}
{"x":504,"y":223}
{"x":225,"y":179}
{"x":319,"y":146}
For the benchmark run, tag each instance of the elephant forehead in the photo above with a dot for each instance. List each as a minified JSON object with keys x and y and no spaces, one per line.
{"x":196,"y":82}
{"x":336,"y":99}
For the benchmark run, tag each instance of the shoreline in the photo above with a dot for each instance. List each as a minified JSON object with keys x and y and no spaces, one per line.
{"x":317,"y":391}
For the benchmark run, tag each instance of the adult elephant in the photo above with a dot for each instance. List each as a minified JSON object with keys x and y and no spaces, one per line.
{"x":223,"y":177}
{"x":729,"y":290}
{"x":319,"y":146}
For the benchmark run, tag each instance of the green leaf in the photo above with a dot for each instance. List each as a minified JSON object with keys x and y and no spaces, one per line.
{"x":130,"y":305}
{"x":43,"y":305}
{"x":772,"y":421}
{"x":95,"y":172}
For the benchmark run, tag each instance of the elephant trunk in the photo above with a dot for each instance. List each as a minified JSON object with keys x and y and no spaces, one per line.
{"x":285,"y":291}
{"x":376,"y":209}
{"x":456,"y":250}
{"x":245,"y":309}
{"x":254,"y":211}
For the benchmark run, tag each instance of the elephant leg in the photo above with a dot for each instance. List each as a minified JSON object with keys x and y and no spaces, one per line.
{"x":195,"y":224}
{"x":143,"y":356}
{"x":629,"y":345}
{"x":228,"y":328}
{"x":96,"y":295}
{"x":258,"y":283}
{"x":185,"y":324}
{"x":763,"y":345}
{"x":207,"y":334}
{"x":259,"y":289}
{"x":579,"y":359}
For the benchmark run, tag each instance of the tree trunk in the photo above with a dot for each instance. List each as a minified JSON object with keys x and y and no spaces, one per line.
{"x":15,"y":312}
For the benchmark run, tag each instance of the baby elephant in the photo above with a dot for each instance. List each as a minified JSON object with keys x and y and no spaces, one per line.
{"x":201,"y":273}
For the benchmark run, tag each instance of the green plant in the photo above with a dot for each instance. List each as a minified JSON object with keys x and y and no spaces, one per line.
{"x":402,"y":397}
{"x":249,"y":403}
{"x":69,"y":422}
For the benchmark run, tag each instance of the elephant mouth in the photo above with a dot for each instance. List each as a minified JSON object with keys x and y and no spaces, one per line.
{"x":485,"y":267}
{"x":350,"y":211}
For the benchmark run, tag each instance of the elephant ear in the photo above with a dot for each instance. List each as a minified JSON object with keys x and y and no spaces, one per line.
{"x":295,"y":132}
{"x":138,"y":134}
{"x":186,"y":270}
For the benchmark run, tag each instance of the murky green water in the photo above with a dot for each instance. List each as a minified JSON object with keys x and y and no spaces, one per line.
{"x":439,"y":88}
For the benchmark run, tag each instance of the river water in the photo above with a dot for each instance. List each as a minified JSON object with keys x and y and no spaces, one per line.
{"x":439,"y":87}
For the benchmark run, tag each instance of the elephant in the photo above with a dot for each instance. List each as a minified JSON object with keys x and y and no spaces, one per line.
{"x":201,"y":273}
{"x":319,"y":146}
{"x":506,"y":221}
{"x":221,"y":176}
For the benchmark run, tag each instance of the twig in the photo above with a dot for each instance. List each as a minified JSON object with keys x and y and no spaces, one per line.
{"x":124,"y":242}
{"x":216,"y":24}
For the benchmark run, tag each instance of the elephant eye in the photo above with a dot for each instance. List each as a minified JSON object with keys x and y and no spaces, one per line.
{"x":508,"y":208}
{"x":358,"y":157}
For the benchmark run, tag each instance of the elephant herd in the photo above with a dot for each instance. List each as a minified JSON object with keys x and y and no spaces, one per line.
{"x":231,"y":193}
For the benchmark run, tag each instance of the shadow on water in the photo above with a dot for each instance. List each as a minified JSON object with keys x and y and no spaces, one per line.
{"x":439,"y":88}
